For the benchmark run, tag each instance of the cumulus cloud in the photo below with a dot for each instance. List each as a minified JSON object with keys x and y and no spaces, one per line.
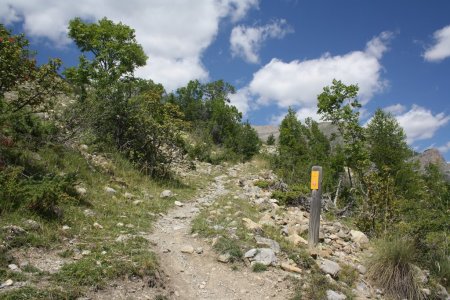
{"x":241,"y":99}
{"x":297,"y":83}
{"x":441,"y":48}
{"x":419,"y":123}
{"x":445,"y":148}
{"x":246,"y":41}
{"x":174,"y":34}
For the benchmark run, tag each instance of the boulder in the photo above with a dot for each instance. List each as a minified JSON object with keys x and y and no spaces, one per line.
{"x":265,"y":256}
{"x":359,"y":237}
{"x":329,"y":267}
{"x":260,"y":241}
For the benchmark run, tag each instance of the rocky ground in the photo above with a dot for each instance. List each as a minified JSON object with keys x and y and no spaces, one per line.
{"x":230,"y":241}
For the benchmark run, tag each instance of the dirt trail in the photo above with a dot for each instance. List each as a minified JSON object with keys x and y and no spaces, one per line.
{"x":201,"y":276}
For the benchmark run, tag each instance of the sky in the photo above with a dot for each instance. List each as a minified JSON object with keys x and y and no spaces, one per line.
{"x":277,"y":53}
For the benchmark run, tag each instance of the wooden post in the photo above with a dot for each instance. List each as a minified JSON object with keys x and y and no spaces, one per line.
{"x":316,"y":205}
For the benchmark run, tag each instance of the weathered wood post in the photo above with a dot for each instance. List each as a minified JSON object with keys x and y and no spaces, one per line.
{"x":316,"y":205}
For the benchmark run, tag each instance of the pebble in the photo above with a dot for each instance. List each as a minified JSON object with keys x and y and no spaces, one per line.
{"x":179,"y":204}
{"x":98,"y":226}
{"x":65,"y":227}
{"x":14,"y":268}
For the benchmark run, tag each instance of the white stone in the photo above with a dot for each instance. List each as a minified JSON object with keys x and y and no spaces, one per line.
{"x":14,"y":268}
{"x":332,"y":295}
{"x":110,"y":190}
{"x":166,"y":194}
{"x":178,"y":203}
{"x":65,"y":227}
{"x":7,"y":283}
{"x":128,"y":195}
{"x":98,"y":226}
{"x":81,"y":190}
{"x":224,"y":258}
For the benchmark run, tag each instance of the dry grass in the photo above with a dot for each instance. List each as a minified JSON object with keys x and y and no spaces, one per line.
{"x":391,"y":267}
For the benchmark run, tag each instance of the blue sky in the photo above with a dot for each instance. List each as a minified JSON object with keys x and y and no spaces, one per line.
{"x":278,"y":53}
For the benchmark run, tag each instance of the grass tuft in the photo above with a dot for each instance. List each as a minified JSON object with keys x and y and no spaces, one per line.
{"x":259,"y":267}
{"x":391,"y":267}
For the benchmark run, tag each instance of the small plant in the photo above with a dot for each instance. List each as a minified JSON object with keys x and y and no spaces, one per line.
{"x":259,"y":267}
{"x":264,"y":184}
{"x":348,"y":275}
{"x":391,"y":267}
{"x":226,"y":245}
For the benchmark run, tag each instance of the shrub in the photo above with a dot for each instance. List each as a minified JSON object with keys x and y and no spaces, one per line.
{"x":226,"y":245}
{"x":271,"y":140}
{"x":391,"y":267}
{"x":259,"y":267}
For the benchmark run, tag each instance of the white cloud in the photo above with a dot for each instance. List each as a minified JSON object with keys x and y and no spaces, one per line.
{"x":445,"y":148}
{"x":246,"y":41}
{"x":241,"y":100}
{"x":298,"y":83}
{"x":419,"y":123}
{"x":174,"y":34}
{"x":395,"y":109}
{"x":441,"y":49}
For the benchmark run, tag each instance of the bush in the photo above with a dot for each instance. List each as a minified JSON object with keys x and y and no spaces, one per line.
{"x":294,"y":196}
{"x":271,"y":140}
{"x":391,"y":267}
{"x":259,"y":267}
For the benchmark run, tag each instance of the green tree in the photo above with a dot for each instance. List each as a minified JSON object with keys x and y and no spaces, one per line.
{"x":338,"y":103}
{"x":271,"y":139}
{"x":387,"y":142}
{"x":103,"y":76}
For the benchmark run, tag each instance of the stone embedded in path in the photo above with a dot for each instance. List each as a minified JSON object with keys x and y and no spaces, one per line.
{"x":179,"y":204}
{"x":224,"y":258}
{"x":166,"y":194}
{"x":187,"y":249}
{"x":329,"y":267}
{"x":265,"y":256}
{"x":14,"y":268}
{"x":332,"y":295}
{"x":260,"y":241}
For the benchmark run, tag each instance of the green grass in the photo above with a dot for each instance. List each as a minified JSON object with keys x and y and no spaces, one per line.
{"x":258,"y":267}
{"x":31,"y":293}
{"x":131,"y":258}
{"x":391,"y":268}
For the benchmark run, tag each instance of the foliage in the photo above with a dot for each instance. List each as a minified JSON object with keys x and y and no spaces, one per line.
{"x":259,"y":267}
{"x":227,"y":245}
{"x":292,"y":196}
{"x":338,"y":103}
{"x":153,"y":137}
{"x":391,"y":267}
{"x":215,"y":121}
{"x":388,"y":149}
{"x":271,"y":139}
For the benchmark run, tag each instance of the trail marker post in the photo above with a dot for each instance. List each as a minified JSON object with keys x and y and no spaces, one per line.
{"x":316,"y":205}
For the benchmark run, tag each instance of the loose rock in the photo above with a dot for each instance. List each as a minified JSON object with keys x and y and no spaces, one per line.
{"x":332,"y":295}
{"x":166,"y":194}
{"x":290,"y":268}
{"x":224,"y":258}
{"x":329,"y":267}
{"x":187,"y":249}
